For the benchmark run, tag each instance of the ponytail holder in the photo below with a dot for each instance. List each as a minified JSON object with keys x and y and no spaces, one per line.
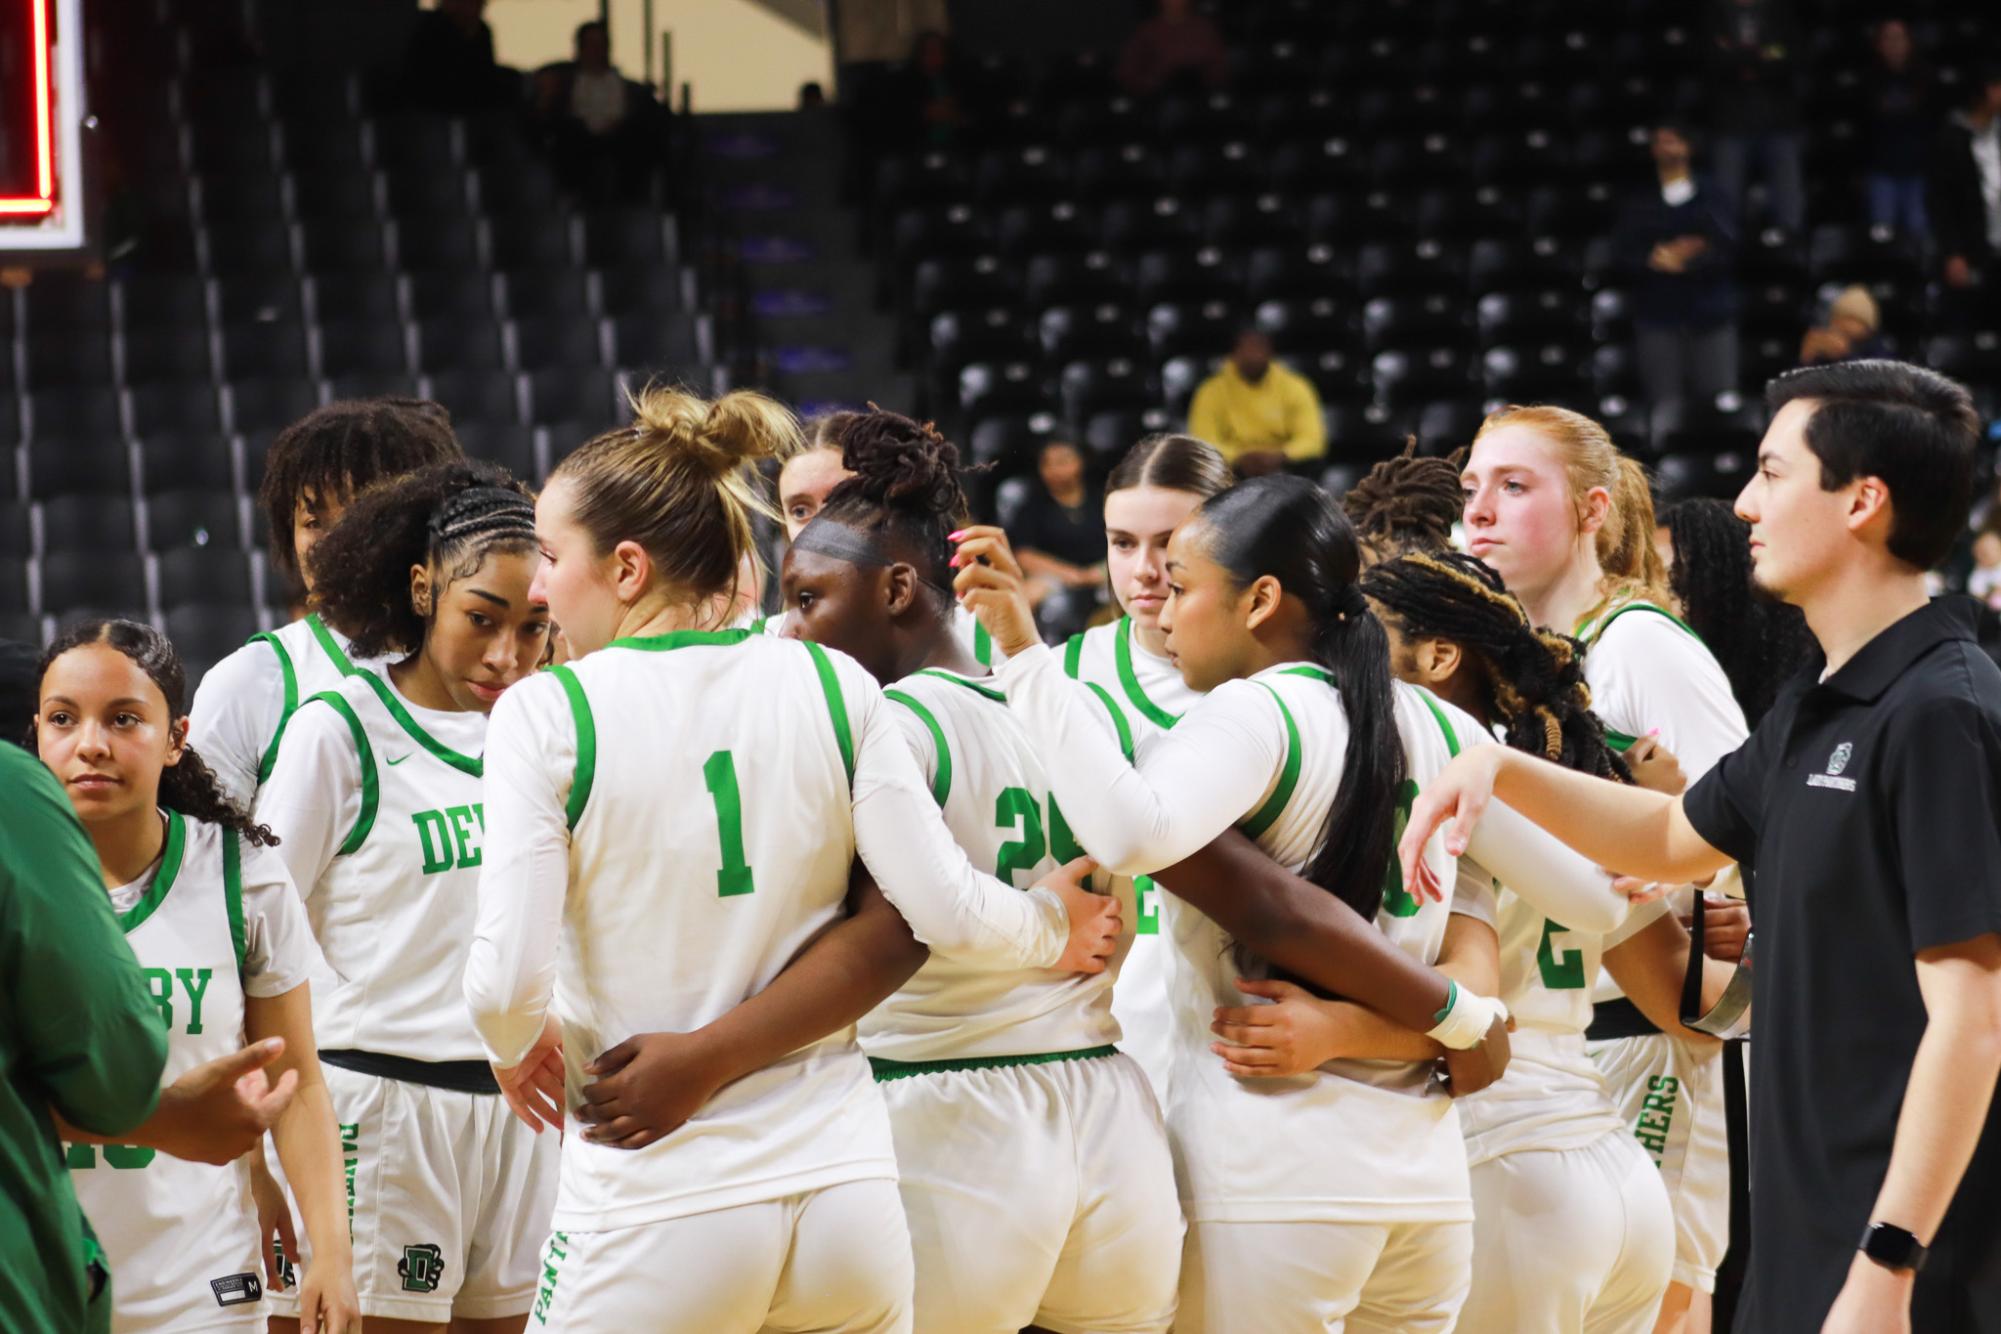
{"x":1350,"y":602}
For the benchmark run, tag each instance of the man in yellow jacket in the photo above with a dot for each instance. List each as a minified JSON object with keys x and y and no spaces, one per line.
{"x":1261,"y":415}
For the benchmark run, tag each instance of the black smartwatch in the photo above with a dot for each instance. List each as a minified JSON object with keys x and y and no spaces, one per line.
{"x":1892,"y":1247}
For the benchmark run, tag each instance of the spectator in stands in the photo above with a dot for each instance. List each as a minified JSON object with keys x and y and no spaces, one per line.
{"x":1677,"y":242}
{"x":1257,"y":412}
{"x":1984,"y":581}
{"x":449,"y":65}
{"x":1175,"y":47}
{"x":1899,"y":101}
{"x":1059,"y":537}
{"x":599,"y":126}
{"x":1754,"y":48}
{"x":1853,"y":331}
{"x":929,"y":101}
{"x":1965,"y":198}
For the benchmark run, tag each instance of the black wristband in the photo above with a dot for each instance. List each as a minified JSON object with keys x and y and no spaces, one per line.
{"x":1893,"y":1247}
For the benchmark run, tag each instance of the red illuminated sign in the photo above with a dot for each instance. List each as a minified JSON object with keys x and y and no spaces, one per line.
{"x":43,"y":201}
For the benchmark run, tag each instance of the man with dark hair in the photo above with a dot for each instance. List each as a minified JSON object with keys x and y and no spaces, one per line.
{"x":600,"y":127}
{"x":1257,"y":411}
{"x":1869,"y":801}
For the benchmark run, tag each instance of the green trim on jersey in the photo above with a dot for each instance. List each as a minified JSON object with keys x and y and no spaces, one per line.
{"x":1438,"y":715}
{"x":1288,"y":777}
{"x":1311,"y":673}
{"x":983,"y":645}
{"x":1073,"y":656}
{"x":232,"y":894}
{"x":958,"y":680}
{"x":886,"y":1070}
{"x":163,"y":879}
{"x":371,"y":784}
{"x":837,"y":708}
{"x":1592,"y":631}
{"x":756,"y":627}
{"x":587,"y":745}
{"x":941,"y":781}
{"x":470,"y":765}
{"x":269,"y":761}
{"x":1118,"y":719}
{"x":329,"y":645}
{"x":1122,"y":658}
{"x":682,"y":639}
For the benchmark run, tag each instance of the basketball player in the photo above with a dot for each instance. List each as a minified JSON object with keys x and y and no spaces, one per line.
{"x":213,"y":918}
{"x":377,"y":797}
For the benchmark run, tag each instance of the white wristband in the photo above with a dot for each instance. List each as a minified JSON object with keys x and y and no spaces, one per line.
{"x":1464,"y":1021}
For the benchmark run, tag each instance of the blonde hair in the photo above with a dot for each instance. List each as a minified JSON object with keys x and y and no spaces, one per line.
{"x":676,"y":481}
{"x":1625,"y":541}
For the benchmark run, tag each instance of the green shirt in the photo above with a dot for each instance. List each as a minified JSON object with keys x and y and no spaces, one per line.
{"x":77,"y":1035}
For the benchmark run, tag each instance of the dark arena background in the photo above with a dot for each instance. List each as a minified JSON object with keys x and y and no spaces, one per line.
{"x":217,"y":214}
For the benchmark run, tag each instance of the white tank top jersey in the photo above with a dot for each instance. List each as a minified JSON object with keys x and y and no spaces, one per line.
{"x":379,"y":807}
{"x":216,"y":920}
{"x":995,"y":798}
{"x":245,"y":702}
{"x":1150,"y":694}
{"x":1648,"y":670}
{"x":1266,"y":753}
{"x":673,"y":818}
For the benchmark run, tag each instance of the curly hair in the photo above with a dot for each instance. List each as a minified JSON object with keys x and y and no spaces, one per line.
{"x":1758,"y":641}
{"x":1407,"y":503}
{"x":905,"y":490}
{"x":1534,"y":678}
{"x":340,"y":450}
{"x":448,"y":517}
{"x":189,"y":786}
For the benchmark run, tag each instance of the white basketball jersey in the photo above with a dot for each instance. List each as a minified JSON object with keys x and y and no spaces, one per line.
{"x":996,"y":800}
{"x":243,"y":705}
{"x":711,"y":839}
{"x":1370,"y":1141}
{"x":394,"y":910}
{"x":181,"y":1237}
{"x":1150,"y":695}
{"x":964,"y":624}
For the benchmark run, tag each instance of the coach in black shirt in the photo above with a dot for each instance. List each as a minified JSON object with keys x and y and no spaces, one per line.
{"x":1870,"y":800}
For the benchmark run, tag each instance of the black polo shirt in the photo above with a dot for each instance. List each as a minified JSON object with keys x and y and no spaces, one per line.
{"x":1871,"y":805}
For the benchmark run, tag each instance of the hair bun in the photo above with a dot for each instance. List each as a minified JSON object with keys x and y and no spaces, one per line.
{"x":901,"y":462}
{"x":722,"y":436}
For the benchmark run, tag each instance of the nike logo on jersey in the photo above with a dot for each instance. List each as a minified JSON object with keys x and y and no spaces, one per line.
{"x":400,"y":758}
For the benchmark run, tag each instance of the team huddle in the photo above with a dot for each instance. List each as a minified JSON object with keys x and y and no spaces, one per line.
{"x":648,"y":964}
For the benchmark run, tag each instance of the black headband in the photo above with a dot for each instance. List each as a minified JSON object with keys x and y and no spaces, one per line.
{"x":830,"y":537}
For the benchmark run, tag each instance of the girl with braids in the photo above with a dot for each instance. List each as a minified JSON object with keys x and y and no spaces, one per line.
{"x":377,"y":798}
{"x":1264,"y":617}
{"x":674,"y":818}
{"x":1567,"y":522}
{"x":1156,"y":486}
{"x":210,"y":911}
{"x":316,"y":467}
{"x":1759,"y":641}
{"x":1405,"y":504}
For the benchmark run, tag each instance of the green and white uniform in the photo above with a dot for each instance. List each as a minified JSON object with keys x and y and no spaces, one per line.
{"x":999,"y":1077}
{"x":1149,"y":692}
{"x":1548,"y":1132}
{"x":1382,"y":1229}
{"x":672,"y":818}
{"x":380,"y":808}
{"x":245,"y":702}
{"x":966,"y":625}
{"x":1647,"y":670}
{"x":216,"y":920}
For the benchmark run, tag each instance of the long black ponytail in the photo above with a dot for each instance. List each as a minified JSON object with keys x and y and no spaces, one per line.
{"x":1290,"y":529}
{"x":189,"y":786}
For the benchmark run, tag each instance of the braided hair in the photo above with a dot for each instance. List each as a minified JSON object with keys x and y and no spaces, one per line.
{"x":1758,"y":641}
{"x":1407,"y":503}
{"x":905,"y":492}
{"x":448,"y":517}
{"x":1534,"y":678}
{"x":189,"y":786}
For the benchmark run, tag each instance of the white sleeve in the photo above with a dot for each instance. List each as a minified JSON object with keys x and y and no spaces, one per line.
{"x":922,"y":748}
{"x":1652,"y":674}
{"x":531,"y":748}
{"x":279,"y":951}
{"x":235,"y":714}
{"x":923,"y":872}
{"x":1639,"y":919}
{"x":1181,"y":791}
{"x":314,"y":796}
{"x":1474,"y":895}
{"x":1548,"y":876}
